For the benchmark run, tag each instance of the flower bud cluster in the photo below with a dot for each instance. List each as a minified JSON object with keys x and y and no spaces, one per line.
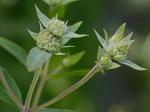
{"x":50,"y":39}
{"x":114,"y":49}
{"x":117,"y":49}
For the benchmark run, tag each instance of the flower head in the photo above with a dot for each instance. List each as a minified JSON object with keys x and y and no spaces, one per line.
{"x":116,"y":49}
{"x":54,"y":33}
{"x":57,"y":27}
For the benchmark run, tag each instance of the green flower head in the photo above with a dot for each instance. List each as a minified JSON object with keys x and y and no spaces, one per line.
{"x":54,"y":33}
{"x":117,"y":47}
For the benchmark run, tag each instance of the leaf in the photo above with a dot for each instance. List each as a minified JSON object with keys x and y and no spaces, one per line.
{"x":132,"y":65}
{"x":70,"y":35}
{"x":114,"y":66}
{"x":69,"y":74}
{"x":36,"y":58}
{"x":73,"y":59}
{"x":4,"y":97}
{"x":101,"y":40}
{"x":119,"y":33}
{"x":33,"y":35}
{"x":75,"y":27}
{"x":12,"y":84}
{"x":99,"y":53}
{"x":106,"y":35}
{"x":43,"y":18}
{"x":13,"y":49}
{"x":56,"y":110}
{"x":41,"y":26}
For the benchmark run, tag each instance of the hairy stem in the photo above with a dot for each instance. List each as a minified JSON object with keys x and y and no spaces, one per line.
{"x":9,"y":91}
{"x":32,"y":88}
{"x":69,"y":90}
{"x":41,"y":85}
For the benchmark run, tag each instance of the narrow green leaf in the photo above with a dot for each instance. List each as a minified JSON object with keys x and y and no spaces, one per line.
{"x":12,"y":84}
{"x":106,"y":35}
{"x":69,"y":74}
{"x":132,"y":65}
{"x":33,"y":35}
{"x":36,"y":58}
{"x":13,"y":49}
{"x":43,"y":18}
{"x":99,"y":53}
{"x":119,"y":33}
{"x":75,"y":27}
{"x":101,"y":40}
{"x":56,"y":110}
{"x":4,"y":97}
{"x":114,"y":66}
{"x":73,"y":59}
{"x":41,"y":26}
{"x":70,"y":35}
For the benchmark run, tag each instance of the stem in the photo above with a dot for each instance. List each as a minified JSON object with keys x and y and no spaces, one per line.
{"x":32,"y":88}
{"x":9,"y":91}
{"x":69,"y":90}
{"x":41,"y":85}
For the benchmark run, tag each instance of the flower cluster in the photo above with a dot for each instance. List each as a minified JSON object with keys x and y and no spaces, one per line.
{"x":54,"y":33}
{"x":115,"y":50}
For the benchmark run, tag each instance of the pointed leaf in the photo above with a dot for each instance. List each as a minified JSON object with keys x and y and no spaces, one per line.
{"x":70,"y":35}
{"x":33,"y":35}
{"x":36,"y":58}
{"x":43,"y":18}
{"x":75,"y":27}
{"x":56,"y":110}
{"x":119,"y":33}
{"x":41,"y":26}
{"x":101,"y":40}
{"x":114,"y":66}
{"x":132,"y":65}
{"x":13,"y":49}
{"x":106,"y":35}
{"x":4,"y":97}
{"x":99,"y":53}
{"x":74,"y":73}
{"x":73,"y":59}
{"x":12,"y":84}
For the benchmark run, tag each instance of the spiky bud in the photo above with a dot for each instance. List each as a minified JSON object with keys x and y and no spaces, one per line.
{"x":48,"y":42}
{"x":57,"y":27}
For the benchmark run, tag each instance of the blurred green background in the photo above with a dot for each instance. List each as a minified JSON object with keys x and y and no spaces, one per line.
{"x":121,"y":90}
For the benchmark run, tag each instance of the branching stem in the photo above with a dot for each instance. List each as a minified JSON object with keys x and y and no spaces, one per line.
{"x":69,"y":90}
{"x":32,"y":88}
{"x":41,"y":85}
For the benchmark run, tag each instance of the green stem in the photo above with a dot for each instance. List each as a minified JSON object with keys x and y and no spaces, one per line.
{"x":69,"y":90}
{"x":41,"y":85}
{"x":32,"y":88}
{"x":9,"y":91}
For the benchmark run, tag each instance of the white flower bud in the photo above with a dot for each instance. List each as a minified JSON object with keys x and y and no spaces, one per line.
{"x":48,"y":42}
{"x":57,"y":27}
